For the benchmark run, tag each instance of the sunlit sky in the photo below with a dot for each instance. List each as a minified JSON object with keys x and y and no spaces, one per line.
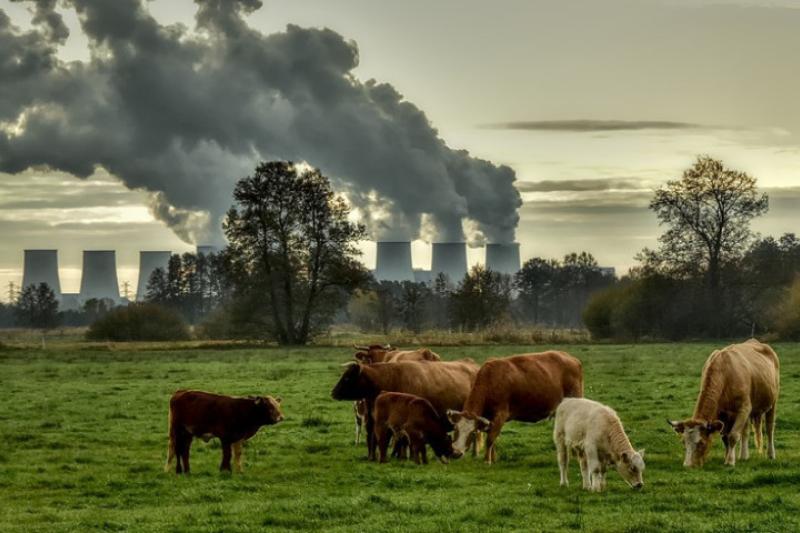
{"x":505,"y":80}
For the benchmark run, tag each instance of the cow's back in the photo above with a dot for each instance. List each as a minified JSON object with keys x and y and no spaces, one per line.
{"x":445,"y":384}
{"x":529,"y":386}
{"x":746,"y":372}
{"x":423,"y":354}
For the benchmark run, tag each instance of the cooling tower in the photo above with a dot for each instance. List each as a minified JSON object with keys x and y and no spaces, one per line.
{"x":206,"y":249}
{"x":393,"y":262}
{"x":41,"y":266}
{"x":503,"y":258}
{"x":449,"y":258}
{"x":148,"y":262}
{"x":99,"y":276}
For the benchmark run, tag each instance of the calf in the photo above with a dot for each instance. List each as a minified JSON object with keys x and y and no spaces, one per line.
{"x":413,"y":418}
{"x":387,"y":354}
{"x":594,"y":433}
{"x":360,"y":413}
{"x":232,"y":420}
{"x":527,"y":388}
{"x":739,"y":385}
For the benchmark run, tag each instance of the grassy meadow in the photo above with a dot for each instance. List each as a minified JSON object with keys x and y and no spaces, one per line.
{"x":84,"y":429}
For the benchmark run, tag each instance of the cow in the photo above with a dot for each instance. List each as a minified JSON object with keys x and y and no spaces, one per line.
{"x":377,"y":353}
{"x":739,"y":385}
{"x":445,"y":384}
{"x":527,"y":388}
{"x":410,"y":417}
{"x":232,"y":420}
{"x":360,"y":414}
{"x":594,"y":433}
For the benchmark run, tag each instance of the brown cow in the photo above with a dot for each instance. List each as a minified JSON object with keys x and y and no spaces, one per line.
{"x":401,"y":415}
{"x":526,"y":387}
{"x":739,"y":384}
{"x":446,"y":385}
{"x":387,"y":354}
{"x":232,"y":420}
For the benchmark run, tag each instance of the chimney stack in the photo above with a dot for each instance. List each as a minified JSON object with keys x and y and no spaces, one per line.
{"x":449,"y":258}
{"x":148,"y":263}
{"x":503,"y":258}
{"x":41,"y":266}
{"x":99,"y":276}
{"x":393,"y":262}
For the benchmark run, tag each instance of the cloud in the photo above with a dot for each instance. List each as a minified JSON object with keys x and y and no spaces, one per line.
{"x":183,"y":114}
{"x":585,"y":185}
{"x":595,"y":125}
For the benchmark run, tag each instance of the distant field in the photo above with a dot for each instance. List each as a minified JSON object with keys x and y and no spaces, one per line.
{"x":84,"y":442}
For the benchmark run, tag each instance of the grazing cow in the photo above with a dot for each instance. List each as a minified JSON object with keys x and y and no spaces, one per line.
{"x":594,"y":433}
{"x":446,"y":385}
{"x":232,"y":420}
{"x":401,"y":415}
{"x":527,"y":388}
{"x":360,"y":413}
{"x":387,"y":354}
{"x":739,"y":384}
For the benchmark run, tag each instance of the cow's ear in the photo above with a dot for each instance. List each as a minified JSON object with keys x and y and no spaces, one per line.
{"x":714,"y":426}
{"x":259,"y":400}
{"x":278,"y":399}
{"x":641,"y":453}
{"x":676,"y":425}
{"x":453,"y":416}
{"x":626,"y":457}
{"x":482,"y":424}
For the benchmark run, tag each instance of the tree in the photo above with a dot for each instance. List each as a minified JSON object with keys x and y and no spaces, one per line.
{"x":291,"y":240}
{"x":37,"y":307}
{"x":708,"y":213}
{"x":413,"y":302}
{"x":482,"y":298}
{"x":534,"y":280}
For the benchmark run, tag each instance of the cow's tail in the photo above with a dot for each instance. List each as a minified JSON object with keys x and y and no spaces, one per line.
{"x":171,"y":443}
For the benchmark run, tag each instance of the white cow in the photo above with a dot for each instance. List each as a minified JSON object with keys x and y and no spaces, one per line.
{"x":594,"y":433}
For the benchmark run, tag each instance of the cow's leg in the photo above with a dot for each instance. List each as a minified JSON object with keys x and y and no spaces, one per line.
{"x":584,"y":470}
{"x":237,"y":455}
{"x":370,"y":429}
{"x":415,"y":451}
{"x":744,"y":445}
{"x":382,"y":436}
{"x":595,"y":470}
{"x":491,"y":436}
{"x":770,"y":421}
{"x":225,"y":466}
{"x":358,"y":429}
{"x":563,"y":461}
{"x":758,"y":434}
{"x":423,"y":451}
{"x":735,"y":434}
{"x":186,"y":446}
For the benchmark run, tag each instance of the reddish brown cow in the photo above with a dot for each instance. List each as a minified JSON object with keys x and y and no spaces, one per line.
{"x":205,"y":415}
{"x":387,"y":354}
{"x":526,"y":387}
{"x":445,"y":384}
{"x":740,"y":384}
{"x":414,"y":418}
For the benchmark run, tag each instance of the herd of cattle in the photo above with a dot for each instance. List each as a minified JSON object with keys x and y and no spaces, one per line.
{"x":413,"y":399}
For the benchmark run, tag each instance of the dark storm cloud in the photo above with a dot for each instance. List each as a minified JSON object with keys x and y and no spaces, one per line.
{"x":595,"y":125}
{"x":184,"y":114}
{"x":599,"y":184}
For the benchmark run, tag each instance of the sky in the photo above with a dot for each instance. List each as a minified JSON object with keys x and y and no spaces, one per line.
{"x":591,"y":104}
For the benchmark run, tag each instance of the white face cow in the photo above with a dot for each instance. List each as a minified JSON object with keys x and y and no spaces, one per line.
{"x":466,"y":426}
{"x":631,"y":468}
{"x":696,"y":435}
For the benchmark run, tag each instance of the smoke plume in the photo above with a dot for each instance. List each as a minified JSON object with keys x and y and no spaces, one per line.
{"x":184,"y":113}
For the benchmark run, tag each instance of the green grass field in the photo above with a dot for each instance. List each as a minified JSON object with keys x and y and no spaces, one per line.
{"x":84,"y":442}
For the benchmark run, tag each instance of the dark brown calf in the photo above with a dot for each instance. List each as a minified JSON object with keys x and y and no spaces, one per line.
{"x":232,"y":420}
{"x":414,"y":418}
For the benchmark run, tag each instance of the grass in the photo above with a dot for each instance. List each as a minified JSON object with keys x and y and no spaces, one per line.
{"x":84,"y":441}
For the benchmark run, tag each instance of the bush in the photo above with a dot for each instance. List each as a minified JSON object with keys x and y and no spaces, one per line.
{"x":139,"y":322}
{"x":787,"y":315}
{"x":598,"y":315}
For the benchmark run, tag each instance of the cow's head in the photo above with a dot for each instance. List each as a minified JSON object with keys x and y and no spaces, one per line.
{"x":696,"y":435}
{"x":442,"y":446}
{"x":353,"y":385}
{"x":269,"y":409}
{"x":371,"y":354}
{"x":466,"y":426}
{"x":631,"y":467}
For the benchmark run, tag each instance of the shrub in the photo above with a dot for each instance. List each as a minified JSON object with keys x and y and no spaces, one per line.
{"x":139,"y":322}
{"x":599,"y":313}
{"x":787,"y":315}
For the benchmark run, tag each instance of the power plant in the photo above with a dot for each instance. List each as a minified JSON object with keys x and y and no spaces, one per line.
{"x":393,"y":262}
{"x":503,"y":258}
{"x":99,"y":276}
{"x":41,"y":266}
{"x":449,"y":258}
{"x":149,"y":261}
